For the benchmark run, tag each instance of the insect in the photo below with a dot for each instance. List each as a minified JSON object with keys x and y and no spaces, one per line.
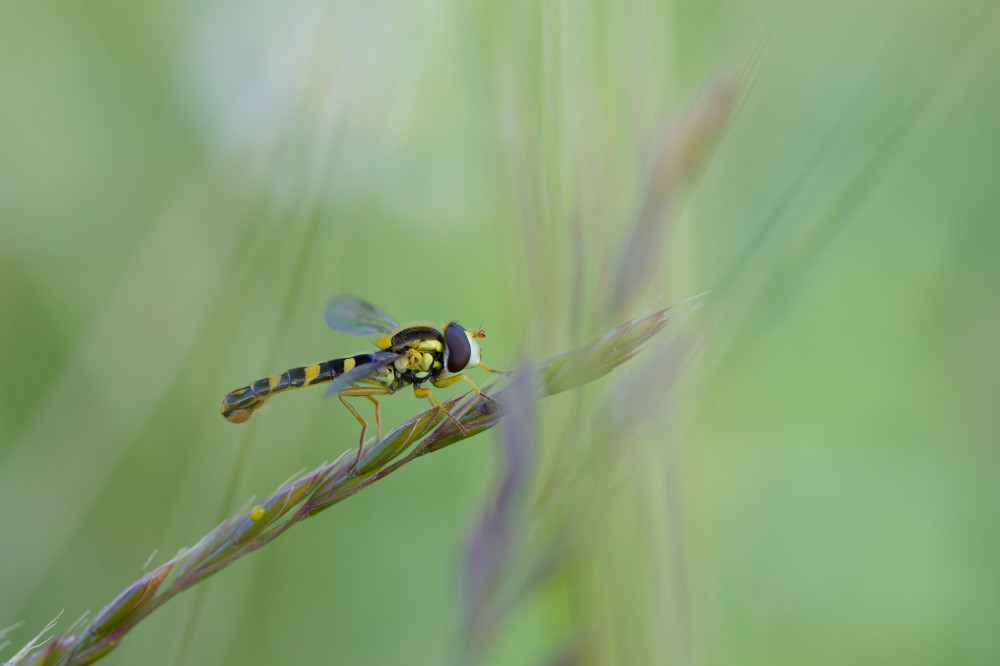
{"x":410,"y":355}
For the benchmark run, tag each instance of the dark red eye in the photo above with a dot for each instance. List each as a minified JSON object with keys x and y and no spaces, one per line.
{"x":459,"y":348}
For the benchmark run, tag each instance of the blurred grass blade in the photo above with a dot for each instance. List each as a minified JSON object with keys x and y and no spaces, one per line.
{"x":488,"y":546}
{"x":681,"y":148}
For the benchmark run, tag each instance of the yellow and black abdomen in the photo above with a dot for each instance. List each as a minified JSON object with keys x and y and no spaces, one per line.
{"x":239,"y":405}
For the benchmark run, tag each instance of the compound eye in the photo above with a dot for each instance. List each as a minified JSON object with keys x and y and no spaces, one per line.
{"x":459,"y":348}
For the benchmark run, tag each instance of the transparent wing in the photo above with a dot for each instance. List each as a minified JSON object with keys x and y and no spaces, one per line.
{"x":380,"y":360}
{"x":353,"y":316}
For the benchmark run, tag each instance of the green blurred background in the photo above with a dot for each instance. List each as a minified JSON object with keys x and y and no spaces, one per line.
{"x":802,"y":471}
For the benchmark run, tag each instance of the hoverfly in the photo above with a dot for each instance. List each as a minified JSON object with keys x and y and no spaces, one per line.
{"x":407,"y":355}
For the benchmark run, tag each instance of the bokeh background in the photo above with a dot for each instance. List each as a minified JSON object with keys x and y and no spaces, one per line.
{"x":804,"y":470}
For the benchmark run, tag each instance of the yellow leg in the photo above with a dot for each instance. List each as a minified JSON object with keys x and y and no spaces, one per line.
{"x":378,"y":419}
{"x":448,"y":381}
{"x":364,"y":392}
{"x":426,"y":393}
{"x":495,"y":372}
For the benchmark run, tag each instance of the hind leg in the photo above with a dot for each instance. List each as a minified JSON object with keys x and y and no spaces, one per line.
{"x":364,"y":392}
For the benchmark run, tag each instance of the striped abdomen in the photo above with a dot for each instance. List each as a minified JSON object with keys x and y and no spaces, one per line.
{"x":239,"y":405}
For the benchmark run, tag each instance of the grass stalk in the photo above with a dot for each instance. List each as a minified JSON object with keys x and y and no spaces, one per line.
{"x":311,"y":493}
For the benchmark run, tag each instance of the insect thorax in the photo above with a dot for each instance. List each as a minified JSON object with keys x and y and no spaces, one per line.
{"x":423,"y":347}
{"x":419,"y":366}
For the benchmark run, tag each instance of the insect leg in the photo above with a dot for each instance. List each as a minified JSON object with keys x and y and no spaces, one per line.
{"x":495,"y":372}
{"x":448,"y":381}
{"x":426,"y":393}
{"x":378,"y":419}
{"x":366,"y":392}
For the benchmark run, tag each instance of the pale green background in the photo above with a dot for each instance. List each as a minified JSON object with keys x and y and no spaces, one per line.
{"x":183,"y":186}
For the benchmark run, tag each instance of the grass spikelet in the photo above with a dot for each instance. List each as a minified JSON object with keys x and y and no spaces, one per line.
{"x":33,"y":644}
{"x":602,"y":355}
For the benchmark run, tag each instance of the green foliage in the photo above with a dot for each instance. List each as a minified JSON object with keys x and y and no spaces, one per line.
{"x":804,"y":474}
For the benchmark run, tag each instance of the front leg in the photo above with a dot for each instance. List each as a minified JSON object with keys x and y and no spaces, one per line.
{"x":505,"y":373}
{"x":448,"y":381}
